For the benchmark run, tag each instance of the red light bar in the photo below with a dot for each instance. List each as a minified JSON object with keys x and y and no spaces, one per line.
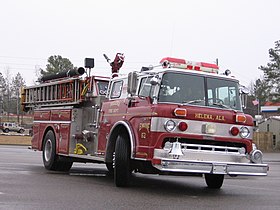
{"x":197,"y":68}
{"x":209,"y":65}
{"x":190,"y":65}
{"x":173,"y":60}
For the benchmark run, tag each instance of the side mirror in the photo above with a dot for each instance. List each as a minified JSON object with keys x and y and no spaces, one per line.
{"x":244,"y":100}
{"x":155,"y":80}
{"x":132,"y":83}
{"x":243,"y":91}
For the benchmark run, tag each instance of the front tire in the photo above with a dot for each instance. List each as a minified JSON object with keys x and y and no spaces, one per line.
{"x":214,"y":181}
{"x":122,"y":170}
{"x":110,"y":168}
{"x":50,"y":158}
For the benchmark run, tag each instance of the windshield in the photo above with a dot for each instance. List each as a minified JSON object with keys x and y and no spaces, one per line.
{"x":199,"y":90}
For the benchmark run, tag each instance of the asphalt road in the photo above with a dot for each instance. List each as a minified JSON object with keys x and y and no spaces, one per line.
{"x":25,"y":184}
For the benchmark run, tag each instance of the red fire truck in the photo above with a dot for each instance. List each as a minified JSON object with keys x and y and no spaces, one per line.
{"x":179,"y":117}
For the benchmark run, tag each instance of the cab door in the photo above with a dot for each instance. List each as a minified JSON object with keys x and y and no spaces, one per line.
{"x":113,"y":110}
{"x":139,"y":113}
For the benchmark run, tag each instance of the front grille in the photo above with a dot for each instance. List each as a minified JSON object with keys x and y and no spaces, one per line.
{"x":199,"y":147}
{"x":207,"y":145}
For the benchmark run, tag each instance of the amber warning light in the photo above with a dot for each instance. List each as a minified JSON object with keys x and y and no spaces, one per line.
{"x":179,"y":112}
{"x":240,"y":118}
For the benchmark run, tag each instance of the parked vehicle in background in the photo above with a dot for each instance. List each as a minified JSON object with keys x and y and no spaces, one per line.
{"x":6,"y":127}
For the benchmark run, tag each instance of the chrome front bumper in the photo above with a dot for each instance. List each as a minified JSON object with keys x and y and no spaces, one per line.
{"x":212,"y":162}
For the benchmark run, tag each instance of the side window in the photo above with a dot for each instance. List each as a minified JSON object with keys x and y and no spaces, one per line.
{"x":210,"y":94}
{"x":116,"y":89}
{"x":102,"y":87}
{"x":145,"y":87}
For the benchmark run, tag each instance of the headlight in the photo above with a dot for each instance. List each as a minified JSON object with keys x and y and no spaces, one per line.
{"x":210,"y":128}
{"x":244,"y":132}
{"x":169,"y":125}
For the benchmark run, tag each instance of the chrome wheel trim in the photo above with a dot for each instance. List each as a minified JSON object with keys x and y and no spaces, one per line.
{"x":48,"y":150}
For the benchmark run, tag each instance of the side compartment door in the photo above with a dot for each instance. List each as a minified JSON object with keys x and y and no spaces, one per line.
{"x":63,"y":119}
{"x":64,"y":138}
{"x":41,"y":118}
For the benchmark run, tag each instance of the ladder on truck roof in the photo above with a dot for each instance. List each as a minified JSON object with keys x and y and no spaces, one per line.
{"x":68,"y":91}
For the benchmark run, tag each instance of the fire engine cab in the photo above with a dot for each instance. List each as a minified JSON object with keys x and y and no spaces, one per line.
{"x":179,"y":117}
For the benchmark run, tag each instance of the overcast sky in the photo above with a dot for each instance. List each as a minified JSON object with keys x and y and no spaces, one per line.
{"x":239,"y":33}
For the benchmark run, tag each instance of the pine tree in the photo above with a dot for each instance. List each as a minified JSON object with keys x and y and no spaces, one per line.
{"x":57,"y":64}
{"x":272,"y":74}
{"x":261,"y":91}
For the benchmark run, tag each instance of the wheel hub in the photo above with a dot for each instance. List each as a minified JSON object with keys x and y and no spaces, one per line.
{"x":48,"y":150}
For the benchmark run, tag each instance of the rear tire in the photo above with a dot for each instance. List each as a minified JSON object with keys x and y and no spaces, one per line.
{"x":214,"y":181}
{"x":50,"y":158}
{"x":122,"y":170}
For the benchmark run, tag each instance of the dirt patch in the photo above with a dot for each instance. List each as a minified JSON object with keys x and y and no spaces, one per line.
{"x":15,"y":140}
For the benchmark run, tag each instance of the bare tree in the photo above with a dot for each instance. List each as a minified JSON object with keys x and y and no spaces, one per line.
{"x":7,"y":92}
{"x":2,"y":87}
{"x":17,"y":83}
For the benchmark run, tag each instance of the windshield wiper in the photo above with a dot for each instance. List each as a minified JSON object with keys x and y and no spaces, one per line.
{"x":193,"y":101}
{"x":201,"y":100}
{"x":221,"y":105}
